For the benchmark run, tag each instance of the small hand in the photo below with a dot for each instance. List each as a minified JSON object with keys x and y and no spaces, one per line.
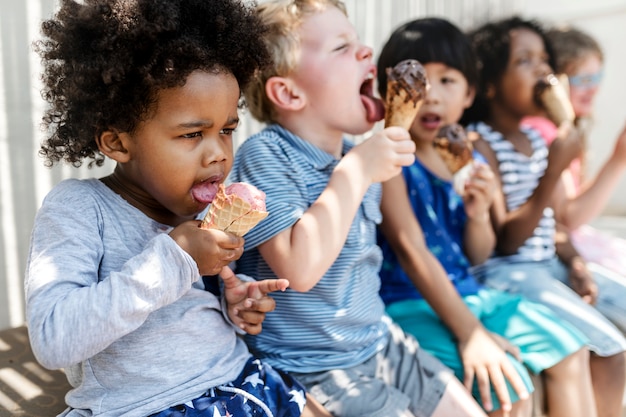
{"x":212,"y":249}
{"x":485,"y":360}
{"x":506,"y":346}
{"x":248,"y":300}
{"x":479,"y":191}
{"x":582,"y":281}
{"x":385,"y":153}
{"x":567,"y":146}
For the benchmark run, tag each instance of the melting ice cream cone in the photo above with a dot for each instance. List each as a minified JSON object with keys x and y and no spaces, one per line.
{"x":455,"y":148}
{"x":552,"y":93}
{"x":406,"y":88}
{"x":236,"y":209}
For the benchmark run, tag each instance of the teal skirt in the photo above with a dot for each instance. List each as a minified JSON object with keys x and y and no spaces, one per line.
{"x":542,"y":338}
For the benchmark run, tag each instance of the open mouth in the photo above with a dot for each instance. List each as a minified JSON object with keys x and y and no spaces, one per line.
{"x":374,"y":107}
{"x":430,"y":121}
{"x":205,"y":191}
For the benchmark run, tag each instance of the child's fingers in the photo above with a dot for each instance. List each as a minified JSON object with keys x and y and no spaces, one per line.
{"x":270,"y":285}
{"x":513,"y":377}
{"x":229,"y":278}
{"x":468,"y":379}
{"x":251,"y":317}
{"x":484,"y":388}
{"x":397,"y":133}
{"x":258,"y":290}
{"x":501,"y":390}
{"x":261,"y":305}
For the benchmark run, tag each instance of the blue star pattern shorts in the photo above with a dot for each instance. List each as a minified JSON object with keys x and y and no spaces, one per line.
{"x":259,"y":391}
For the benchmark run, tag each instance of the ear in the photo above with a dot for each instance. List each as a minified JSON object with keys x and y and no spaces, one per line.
{"x":469,"y":98}
{"x":114,"y":144}
{"x":284,"y":93}
{"x":491,"y":91}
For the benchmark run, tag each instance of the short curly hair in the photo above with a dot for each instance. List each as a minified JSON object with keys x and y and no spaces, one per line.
{"x":106,"y":60}
{"x":492,"y":45}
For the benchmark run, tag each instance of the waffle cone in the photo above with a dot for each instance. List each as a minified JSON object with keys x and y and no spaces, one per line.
{"x":454,"y":162}
{"x":401,"y":107}
{"x":454,"y":146}
{"x":460,"y":177}
{"x":231,"y":214}
{"x":555,"y":100}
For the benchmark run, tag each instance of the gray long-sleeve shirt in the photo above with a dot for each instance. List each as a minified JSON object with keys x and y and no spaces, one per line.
{"x":115,"y":301}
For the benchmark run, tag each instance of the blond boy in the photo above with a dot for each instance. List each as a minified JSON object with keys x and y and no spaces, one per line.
{"x":323,"y":193}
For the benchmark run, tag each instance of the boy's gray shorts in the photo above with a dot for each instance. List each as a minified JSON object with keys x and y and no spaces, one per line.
{"x":401,"y":377}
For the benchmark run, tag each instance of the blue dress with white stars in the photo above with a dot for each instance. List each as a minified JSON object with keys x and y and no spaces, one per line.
{"x":259,"y":391}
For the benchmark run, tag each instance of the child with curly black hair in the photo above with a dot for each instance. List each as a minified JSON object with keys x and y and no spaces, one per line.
{"x":514,"y":54}
{"x":113,"y":285}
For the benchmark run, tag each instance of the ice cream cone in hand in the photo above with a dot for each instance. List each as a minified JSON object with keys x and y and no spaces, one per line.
{"x":456,"y":149}
{"x":406,"y":88}
{"x":552,"y":93}
{"x":236,"y":209}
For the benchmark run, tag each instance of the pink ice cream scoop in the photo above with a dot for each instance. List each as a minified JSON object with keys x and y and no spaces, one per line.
{"x":249,"y":193}
{"x":236,"y":209}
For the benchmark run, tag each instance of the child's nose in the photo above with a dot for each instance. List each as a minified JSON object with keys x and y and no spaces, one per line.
{"x":432,"y":95}
{"x":214,"y":150}
{"x":544,"y":69}
{"x":364,"y":52}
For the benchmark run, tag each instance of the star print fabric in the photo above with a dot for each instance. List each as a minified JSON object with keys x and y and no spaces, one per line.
{"x":259,"y":391}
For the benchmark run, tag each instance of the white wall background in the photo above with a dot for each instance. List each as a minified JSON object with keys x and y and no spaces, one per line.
{"x":24,"y":181}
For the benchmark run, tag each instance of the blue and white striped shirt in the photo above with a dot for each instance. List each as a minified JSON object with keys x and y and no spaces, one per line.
{"x":520,"y":175}
{"x":340,"y":322}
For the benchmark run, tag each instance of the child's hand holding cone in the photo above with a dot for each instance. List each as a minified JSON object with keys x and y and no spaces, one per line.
{"x":406,"y":89}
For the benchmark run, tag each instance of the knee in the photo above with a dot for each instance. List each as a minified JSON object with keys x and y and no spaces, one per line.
{"x":574,"y":364}
{"x":615,"y":364}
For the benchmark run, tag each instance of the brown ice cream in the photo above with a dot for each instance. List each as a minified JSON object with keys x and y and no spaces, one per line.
{"x":406,"y":88}
{"x":455,"y":148}
{"x":552,"y":93}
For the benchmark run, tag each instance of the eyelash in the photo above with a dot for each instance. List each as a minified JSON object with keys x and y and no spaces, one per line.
{"x":342,"y":47}
{"x":191,"y":135}
{"x":227,"y":131}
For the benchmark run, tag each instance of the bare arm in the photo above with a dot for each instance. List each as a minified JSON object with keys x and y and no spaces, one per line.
{"x":595,"y":194}
{"x":303,"y":253}
{"x":581,"y":279}
{"x":514,"y":227}
{"x":479,"y":237}
{"x":482,"y":358}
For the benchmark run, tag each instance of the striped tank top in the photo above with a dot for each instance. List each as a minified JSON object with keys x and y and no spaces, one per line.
{"x":520,"y":175}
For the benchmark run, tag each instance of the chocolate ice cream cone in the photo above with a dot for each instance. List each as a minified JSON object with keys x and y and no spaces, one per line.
{"x":406,"y":89}
{"x":456,"y":150}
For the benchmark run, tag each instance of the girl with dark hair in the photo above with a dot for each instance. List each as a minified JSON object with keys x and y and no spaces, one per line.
{"x":581,"y":59}
{"x":513,"y":55}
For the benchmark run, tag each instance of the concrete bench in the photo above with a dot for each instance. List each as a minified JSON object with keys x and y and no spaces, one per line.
{"x":26,"y":388}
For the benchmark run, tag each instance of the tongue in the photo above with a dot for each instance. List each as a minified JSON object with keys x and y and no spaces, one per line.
{"x":374,"y":108}
{"x":204,"y":192}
